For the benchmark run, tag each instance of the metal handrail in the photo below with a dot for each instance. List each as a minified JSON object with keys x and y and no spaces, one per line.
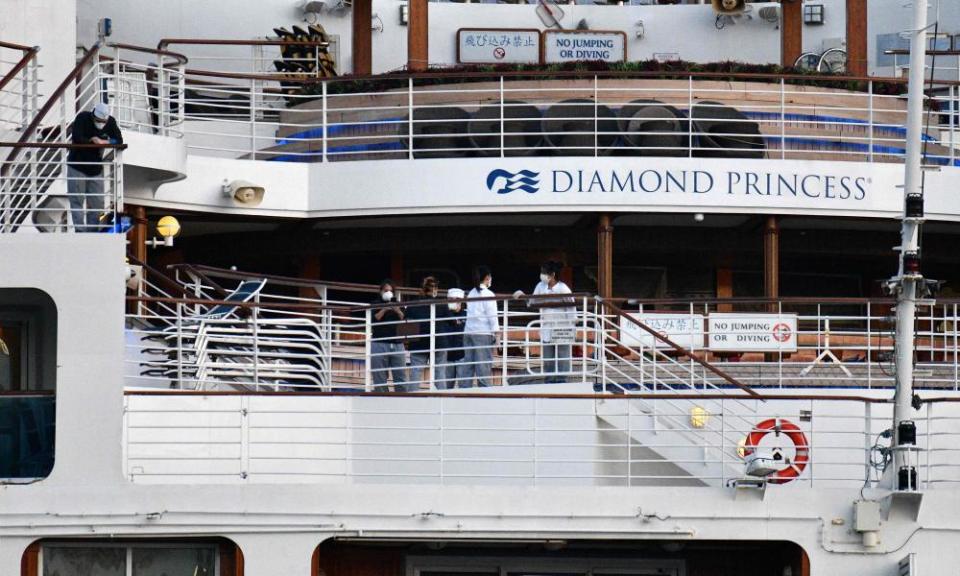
{"x":51,"y":101}
{"x":527,"y":395}
{"x":680,"y":349}
{"x":28,"y":54}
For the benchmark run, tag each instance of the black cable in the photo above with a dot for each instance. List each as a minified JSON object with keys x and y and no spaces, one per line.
{"x":926,"y":141}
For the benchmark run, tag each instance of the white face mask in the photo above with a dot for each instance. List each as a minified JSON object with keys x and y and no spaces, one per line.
{"x":100,"y":125}
{"x":545,"y":278}
{"x":453,"y":307}
{"x":387,"y":296}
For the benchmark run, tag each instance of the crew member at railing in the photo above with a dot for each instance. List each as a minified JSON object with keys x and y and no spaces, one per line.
{"x":85,"y":166}
{"x":556,"y":321}
{"x":452,"y":341}
{"x":481,"y":330}
{"x":420,"y":343}
{"x":387,"y":356}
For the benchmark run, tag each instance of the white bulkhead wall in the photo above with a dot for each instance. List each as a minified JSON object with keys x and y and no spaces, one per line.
{"x":50,"y":24}
{"x":685,"y":30}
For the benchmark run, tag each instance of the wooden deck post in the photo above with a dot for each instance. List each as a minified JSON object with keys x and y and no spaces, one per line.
{"x":771,"y":257}
{"x":791,"y":32}
{"x":418,"y":54}
{"x":857,"y":37}
{"x":362,"y":44}
{"x":605,"y":257}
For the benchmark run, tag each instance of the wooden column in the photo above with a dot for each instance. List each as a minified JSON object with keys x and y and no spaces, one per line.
{"x":137,"y":236}
{"x":309,"y":270}
{"x":362,"y":45}
{"x":724,"y":288}
{"x":791,"y":31}
{"x":418,"y":55}
{"x":857,"y":37}
{"x":605,"y":257}
{"x":771,"y":257}
{"x":396,"y":268}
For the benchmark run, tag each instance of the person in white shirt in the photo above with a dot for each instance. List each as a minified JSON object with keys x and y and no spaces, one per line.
{"x":557,"y":322}
{"x":480,"y":331}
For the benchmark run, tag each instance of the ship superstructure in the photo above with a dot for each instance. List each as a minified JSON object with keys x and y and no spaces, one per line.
{"x":199,"y":381}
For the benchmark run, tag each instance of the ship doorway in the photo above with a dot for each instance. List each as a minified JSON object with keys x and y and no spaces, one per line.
{"x":546,"y":567}
{"x":559,"y":558}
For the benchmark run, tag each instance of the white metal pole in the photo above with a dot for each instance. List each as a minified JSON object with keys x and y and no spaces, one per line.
{"x":910,"y":229}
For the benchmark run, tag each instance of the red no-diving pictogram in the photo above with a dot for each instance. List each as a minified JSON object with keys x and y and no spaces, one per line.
{"x":781,"y":332}
{"x":499,"y":53}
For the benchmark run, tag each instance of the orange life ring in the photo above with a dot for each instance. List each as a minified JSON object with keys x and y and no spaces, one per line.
{"x":795,"y":434}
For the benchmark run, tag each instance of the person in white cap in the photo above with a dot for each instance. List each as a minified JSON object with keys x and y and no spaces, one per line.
{"x":451,"y":327}
{"x":85,"y":166}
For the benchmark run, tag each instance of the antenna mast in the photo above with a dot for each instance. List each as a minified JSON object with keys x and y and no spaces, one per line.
{"x":909,"y":278}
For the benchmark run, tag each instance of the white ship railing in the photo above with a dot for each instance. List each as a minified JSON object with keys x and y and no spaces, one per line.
{"x":34,"y":176}
{"x":19,"y":81}
{"x":522,"y":439}
{"x":614,"y":345}
{"x":296,"y":118}
{"x":143,"y":88}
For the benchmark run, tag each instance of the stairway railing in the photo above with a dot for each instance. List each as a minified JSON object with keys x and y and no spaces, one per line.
{"x":19,"y":81}
{"x":34,"y":178}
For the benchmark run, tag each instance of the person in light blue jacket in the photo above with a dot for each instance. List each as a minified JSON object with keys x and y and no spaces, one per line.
{"x":480,"y":331}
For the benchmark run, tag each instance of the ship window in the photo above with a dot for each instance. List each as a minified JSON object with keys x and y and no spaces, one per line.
{"x":28,"y":365}
{"x":28,"y":340}
{"x":70,"y":559}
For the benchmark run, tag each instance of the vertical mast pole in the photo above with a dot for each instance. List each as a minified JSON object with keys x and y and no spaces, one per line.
{"x":910,"y":230}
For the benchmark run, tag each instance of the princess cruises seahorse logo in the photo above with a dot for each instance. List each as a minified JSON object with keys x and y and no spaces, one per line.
{"x":523,"y":180}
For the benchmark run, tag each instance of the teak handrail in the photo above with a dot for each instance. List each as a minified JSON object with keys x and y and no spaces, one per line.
{"x":28,"y":54}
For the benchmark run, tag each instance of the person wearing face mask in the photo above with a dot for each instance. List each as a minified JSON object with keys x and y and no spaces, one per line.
{"x":556,"y":321}
{"x":480,"y":331}
{"x":85,"y":166}
{"x":387,"y":357}
{"x":420,"y":344}
{"x":451,"y":329}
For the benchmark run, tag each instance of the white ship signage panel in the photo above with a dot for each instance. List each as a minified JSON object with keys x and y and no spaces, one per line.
{"x":558,"y":184}
{"x":683,"y":329}
{"x":579,"y":45}
{"x":752,"y":332}
{"x":498,"y":46}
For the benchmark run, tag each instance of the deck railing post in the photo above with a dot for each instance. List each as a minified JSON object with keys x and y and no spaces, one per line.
{"x":431,"y":363}
{"x":585,"y":343}
{"x":503,"y":135}
{"x":928,"y":442}
{"x":690,"y":116}
{"x":410,"y":118}
{"x":256,"y":345}
{"x":871,"y":127}
{"x":596,"y":117}
{"x":869,"y":345}
{"x":367,"y":351}
{"x":504,"y":343}
{"x":953,"y":121}
{"x":602,"y":347}
{"x":253,"y":119}
{"x":181,"y":95}
{"x":783,"y":119}
{"x":867,"y":441}
{"x":723,"y":445}
{"x":180,"y":347}
{"x":325,"y":129}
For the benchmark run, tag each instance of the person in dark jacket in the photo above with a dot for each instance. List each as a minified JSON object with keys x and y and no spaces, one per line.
{"x":85,"y":166}
{"x":387,"y":357}
{"x":420,"y":344}
{"x":451,"y":340}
